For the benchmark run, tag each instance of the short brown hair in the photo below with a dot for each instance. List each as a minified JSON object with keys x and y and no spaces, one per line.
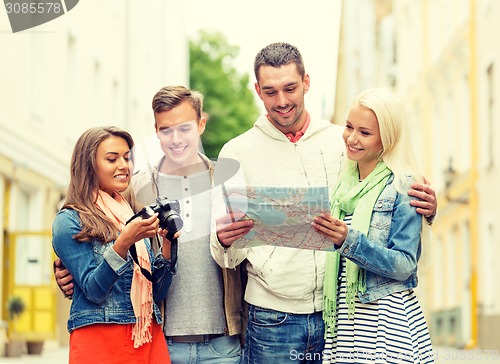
{"x":171,"y":96}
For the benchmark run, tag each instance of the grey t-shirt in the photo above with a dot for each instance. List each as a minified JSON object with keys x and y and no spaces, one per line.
{"x":194,"y":304}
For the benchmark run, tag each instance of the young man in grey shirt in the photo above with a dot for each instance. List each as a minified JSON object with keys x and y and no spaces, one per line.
{"x":202,"y":312}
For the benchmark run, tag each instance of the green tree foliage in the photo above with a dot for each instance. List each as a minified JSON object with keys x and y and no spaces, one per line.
{"x":228,"y":101}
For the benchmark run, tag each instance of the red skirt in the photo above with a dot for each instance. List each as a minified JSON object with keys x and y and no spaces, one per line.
{"x":112,"y":343}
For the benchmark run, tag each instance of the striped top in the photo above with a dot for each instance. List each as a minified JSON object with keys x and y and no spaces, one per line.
{"x":389,"y":330}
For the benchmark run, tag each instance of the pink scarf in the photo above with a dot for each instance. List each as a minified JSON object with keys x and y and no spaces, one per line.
{"x":141,"y":293}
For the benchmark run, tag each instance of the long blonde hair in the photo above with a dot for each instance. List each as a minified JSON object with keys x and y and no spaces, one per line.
{"x":84,"y":184}
{"x":397,"y":149}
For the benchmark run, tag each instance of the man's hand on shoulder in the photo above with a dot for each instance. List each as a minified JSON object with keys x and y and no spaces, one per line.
{"x":426,"y":203}
{"x":63,"y":278}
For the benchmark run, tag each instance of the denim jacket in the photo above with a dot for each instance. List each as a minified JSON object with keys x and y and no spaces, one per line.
{"x":102,"y":279}
{"x":390,"y":252}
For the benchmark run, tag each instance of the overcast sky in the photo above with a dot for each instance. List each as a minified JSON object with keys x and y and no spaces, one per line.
{"x":310,"y":25}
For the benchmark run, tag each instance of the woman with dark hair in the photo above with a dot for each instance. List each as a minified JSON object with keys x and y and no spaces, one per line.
{"x":113,"y":317}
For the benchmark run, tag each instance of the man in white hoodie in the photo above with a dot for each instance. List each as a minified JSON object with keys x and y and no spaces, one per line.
{"x":286,"y":147}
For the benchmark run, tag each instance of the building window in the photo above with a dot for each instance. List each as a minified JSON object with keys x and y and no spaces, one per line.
{"x":97,"y":92}
{"x":490,"y":116}
{"x":72,"y":89}
{"x":463,"y":127}
{"x":38,"y":79}
{"x":32,"y":251}
{"x":488,"y":271}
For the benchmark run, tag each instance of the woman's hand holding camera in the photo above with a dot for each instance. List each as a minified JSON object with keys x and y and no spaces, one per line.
{"x":134,"y":231}
{"x":165,"y":249}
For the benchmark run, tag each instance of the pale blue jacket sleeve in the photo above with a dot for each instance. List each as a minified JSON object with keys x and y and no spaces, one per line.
{"x":96,"y":278}
{"x":394,"y":255}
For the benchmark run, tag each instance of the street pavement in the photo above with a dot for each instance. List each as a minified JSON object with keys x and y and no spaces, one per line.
{"x":53,"y":354}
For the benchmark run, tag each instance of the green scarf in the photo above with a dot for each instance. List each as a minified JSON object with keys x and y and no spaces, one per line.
{"x":350,"y":197}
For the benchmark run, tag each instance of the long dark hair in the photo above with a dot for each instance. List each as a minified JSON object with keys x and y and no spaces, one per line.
{"x":84,"y":184}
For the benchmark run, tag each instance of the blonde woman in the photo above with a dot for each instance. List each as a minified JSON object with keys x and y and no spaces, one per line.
{"x":371,"y":312}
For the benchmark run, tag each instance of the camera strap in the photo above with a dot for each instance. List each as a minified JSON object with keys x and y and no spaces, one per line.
{"x":173,"y":256}
{"x":146,"y":273}
{"x":173,"y":251}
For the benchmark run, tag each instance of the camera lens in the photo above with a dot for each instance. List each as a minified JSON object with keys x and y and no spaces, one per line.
{"x":170,"y":220}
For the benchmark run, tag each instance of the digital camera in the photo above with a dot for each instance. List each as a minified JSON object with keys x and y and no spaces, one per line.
{"x":168,"y":214}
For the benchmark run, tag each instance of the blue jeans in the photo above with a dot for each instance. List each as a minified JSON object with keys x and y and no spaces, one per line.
{"x":279,"y":337}
{"x":221,"y":350}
